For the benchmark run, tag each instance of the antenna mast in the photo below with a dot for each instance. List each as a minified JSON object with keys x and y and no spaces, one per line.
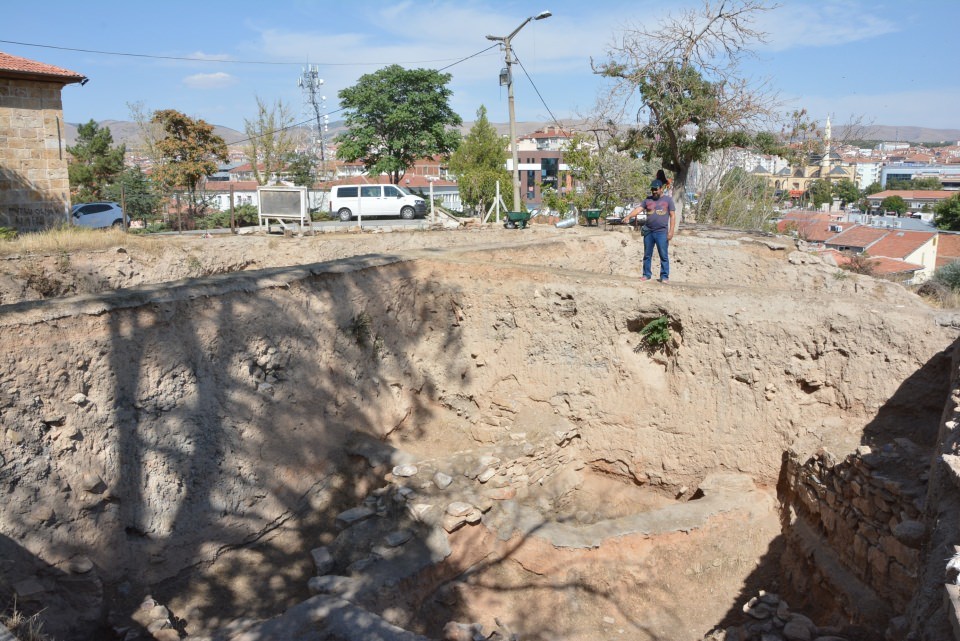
{"x":310,"y":82}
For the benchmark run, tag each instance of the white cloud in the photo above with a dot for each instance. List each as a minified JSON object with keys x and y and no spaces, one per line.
{"x":217,"y":80}
{"x":199,"y":55}
{"x":825,"y":24}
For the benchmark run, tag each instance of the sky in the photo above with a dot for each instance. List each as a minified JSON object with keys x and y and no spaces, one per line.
{"x":882,"y":62}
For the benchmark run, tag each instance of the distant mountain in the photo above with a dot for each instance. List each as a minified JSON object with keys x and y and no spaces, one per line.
{"x":890,"y":133}
{"x":126,"y":132}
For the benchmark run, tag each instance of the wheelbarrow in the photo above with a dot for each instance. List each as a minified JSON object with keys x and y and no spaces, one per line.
{"x":592,"y":216}
{"x":516,"y":219}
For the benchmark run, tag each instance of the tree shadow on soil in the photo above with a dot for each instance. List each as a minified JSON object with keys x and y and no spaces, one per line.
{"x":225,"y":423}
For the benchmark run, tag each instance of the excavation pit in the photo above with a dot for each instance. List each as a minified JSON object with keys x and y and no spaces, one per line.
{"x":194,"y":441}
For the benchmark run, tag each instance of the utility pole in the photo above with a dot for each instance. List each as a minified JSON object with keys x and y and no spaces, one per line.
{"x":508,"y":53}
{"x":310,"y":82}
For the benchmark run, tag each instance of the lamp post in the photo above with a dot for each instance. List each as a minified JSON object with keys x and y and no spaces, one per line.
{"x":508,"y":55}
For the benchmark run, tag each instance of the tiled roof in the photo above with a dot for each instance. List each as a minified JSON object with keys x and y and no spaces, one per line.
{"x":857,"y":236}
{"x":900,"y":244}
{"x":914,"y":194}
{"x":948,"y":249}
{"x":881,"y":264}
{"x":15,"y":66}
{"x":884,"y":265}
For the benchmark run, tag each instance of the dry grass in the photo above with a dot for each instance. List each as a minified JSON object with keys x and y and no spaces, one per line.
{"x":63,"y":240}
{"x":22,"y":627}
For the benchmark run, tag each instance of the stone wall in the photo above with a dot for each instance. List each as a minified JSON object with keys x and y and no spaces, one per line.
{"x":34,"y":188}
{"x":853,"y":531}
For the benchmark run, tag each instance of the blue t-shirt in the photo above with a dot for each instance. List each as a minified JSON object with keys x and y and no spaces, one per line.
{"x":658,"y":212}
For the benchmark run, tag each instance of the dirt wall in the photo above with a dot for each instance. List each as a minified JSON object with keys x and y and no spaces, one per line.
{"x":153,"y":434}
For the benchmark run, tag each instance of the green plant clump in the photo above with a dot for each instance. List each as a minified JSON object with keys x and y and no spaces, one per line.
{"x":8,"y":233}
{"x":949,"y":275}
{"x":656,"y":333}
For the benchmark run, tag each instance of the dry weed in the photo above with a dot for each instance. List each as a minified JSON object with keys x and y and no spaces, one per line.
{"x":64,"y":240}
{"x":24,"y":628}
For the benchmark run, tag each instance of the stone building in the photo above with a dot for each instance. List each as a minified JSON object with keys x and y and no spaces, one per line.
{"x":34,"y":188}
{"x":795,"y":181}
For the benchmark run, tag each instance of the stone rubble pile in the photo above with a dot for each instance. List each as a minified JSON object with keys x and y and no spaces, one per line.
{"x":770,"y":619}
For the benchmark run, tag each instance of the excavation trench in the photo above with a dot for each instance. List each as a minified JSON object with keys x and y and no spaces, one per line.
{"x":480,"y":435}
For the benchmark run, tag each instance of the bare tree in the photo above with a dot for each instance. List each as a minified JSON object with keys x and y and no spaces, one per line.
{"x":684,"y":73}
{"x":270,"y":142}
{"x":150,"y":133}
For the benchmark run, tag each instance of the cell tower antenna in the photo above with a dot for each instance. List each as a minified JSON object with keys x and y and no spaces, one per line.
{"x":310,"y":83}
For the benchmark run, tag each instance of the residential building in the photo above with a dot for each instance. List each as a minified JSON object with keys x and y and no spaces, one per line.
{"x":916,"y":199}
{"x":34,"y":187}
{"x":917,"y":248}
{"x":947,"y":174}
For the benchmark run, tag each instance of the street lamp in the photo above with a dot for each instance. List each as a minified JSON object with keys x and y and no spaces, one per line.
{"x":513,"y":123}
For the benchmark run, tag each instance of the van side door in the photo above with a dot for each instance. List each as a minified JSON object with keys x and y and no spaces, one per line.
{"x":394,"y":199}
{"x":371,"y":201}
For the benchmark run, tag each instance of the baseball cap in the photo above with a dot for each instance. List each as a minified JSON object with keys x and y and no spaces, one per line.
{"x":656,"y":184}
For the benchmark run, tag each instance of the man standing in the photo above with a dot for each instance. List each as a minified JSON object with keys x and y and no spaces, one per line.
{"x":661,"y":214}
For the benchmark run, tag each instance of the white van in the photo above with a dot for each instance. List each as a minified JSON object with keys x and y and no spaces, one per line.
{"x":350,"y":201}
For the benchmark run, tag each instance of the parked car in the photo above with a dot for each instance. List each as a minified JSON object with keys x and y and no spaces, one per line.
{"x":98,"y":215}
{"x":350,"y":201}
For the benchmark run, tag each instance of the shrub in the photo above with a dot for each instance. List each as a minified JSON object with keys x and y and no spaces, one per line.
{"x":949,"y":275}
{"x":8,"y":233}
{"x":860,"y":264}
{"x":656,"y":334}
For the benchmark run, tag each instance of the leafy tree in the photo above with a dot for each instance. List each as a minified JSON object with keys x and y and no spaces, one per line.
{"x":95,"y":163}
{"x":189,"y":150}
{"x":395,"y":116}
{"x":894,"y":203}
{"x":270,"y":142}
{"x":605,"y":175}
{"x":479,"y":163}
{"x":947,"y":214}
{"x":302,"y":168}
{"x":846,"y":191}
{"x":140,"y":196}
{"x":821,"y":192}
{"x":872,"y":188}
{"x":685,"y":74}
{"x":927,"y":183}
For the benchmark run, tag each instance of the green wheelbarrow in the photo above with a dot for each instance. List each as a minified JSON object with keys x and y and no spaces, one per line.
{"x":592,"y":216}
{"x":517,"y":219}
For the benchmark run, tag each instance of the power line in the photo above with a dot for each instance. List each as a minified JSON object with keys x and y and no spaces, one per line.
{"x":299,"y":124}
{"x":542,"y":101}
{"x":238,"y":62}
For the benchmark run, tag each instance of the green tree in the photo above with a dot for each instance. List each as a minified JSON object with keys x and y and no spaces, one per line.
{"x":927,"y":183}
{"x":821,"y":192}
{"x":846,"y":191}
{"x":396,"y":116}
{"x":270,"y":142}
{"x":190,"y":151}
{"x":302,"y":168}
{"x":872,"y":188}
{"x":686,"y":76}
{"x":95,"y":162}
{"x":605,"y":176}
{"x":140,"y":196}
{"x":894,"y":203}
{"x":479,"y":163}
{"x":947,"y":214}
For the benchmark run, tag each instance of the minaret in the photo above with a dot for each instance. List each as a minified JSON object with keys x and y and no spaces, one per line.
{"x":825,"y":161}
